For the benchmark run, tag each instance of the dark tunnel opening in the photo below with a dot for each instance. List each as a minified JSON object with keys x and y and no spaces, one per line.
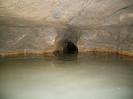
{"x":66,"y":41}
{"x":66,"y":48}
{"x":69,"y":48}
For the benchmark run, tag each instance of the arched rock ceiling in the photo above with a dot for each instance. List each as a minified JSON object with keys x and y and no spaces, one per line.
{"x":34,"y":25}
{"x":73,"y":12}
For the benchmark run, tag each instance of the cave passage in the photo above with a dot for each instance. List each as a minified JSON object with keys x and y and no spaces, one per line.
{"x":69,"y":48}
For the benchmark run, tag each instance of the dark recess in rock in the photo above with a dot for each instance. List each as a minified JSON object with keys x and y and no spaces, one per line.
{"x":69,"y":47}
{"x":66,"y":48}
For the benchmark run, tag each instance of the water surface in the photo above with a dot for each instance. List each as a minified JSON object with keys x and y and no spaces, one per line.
{"x":87,"y":76}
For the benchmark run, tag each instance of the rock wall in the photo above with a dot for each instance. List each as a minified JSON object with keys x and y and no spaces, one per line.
{"x":41,"y":25}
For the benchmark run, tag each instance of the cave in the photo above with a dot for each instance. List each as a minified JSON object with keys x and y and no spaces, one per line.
{"x":69,"y":48}
{"x":66,"y":49}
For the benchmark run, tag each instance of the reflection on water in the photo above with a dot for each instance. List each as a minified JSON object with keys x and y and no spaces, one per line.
{"x":87,"y":76}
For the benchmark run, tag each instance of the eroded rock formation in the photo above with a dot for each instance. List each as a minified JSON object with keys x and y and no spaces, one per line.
{"x":41,"y":25}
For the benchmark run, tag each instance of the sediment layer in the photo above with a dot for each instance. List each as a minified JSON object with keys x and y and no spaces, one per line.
{"x":50,"y":53}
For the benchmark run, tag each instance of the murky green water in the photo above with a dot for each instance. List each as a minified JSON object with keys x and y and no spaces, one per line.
{"x":89,"y":76}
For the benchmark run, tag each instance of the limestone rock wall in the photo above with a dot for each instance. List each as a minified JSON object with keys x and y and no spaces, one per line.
{"x":40,"y":25}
